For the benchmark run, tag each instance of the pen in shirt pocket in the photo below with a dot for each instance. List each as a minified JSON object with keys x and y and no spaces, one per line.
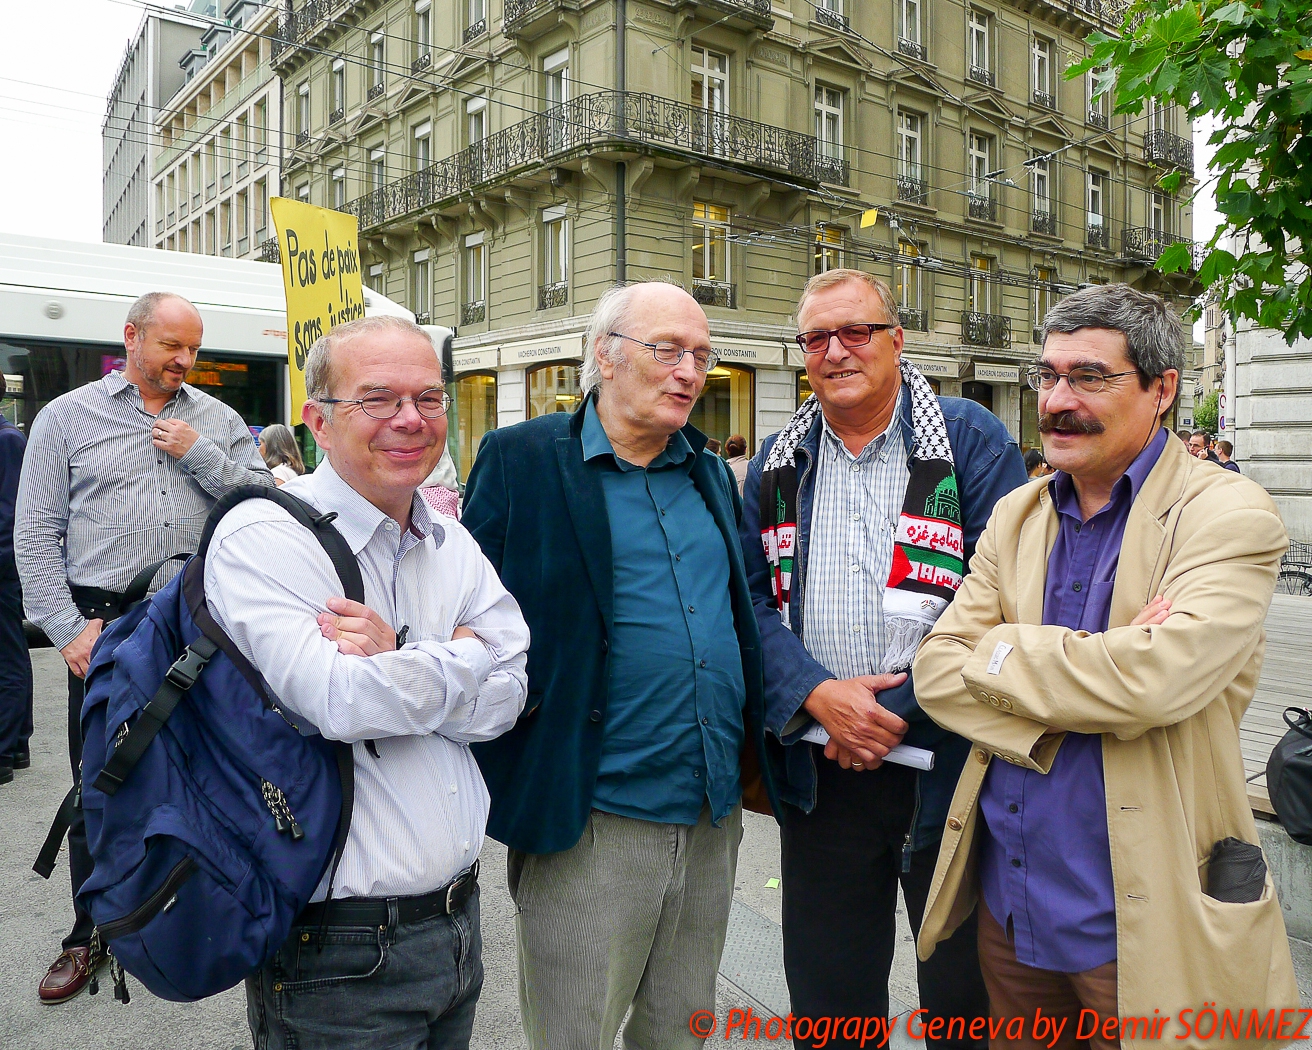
{"x":402,"y":634}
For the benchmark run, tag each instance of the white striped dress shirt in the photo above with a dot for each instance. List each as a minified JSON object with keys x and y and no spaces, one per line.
{"x":856,"y":503}
{"x":421,"y":806}
{"x":97,"y":501}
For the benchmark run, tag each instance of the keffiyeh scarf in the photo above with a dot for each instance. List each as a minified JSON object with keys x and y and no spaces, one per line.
{"x":927,"y":547}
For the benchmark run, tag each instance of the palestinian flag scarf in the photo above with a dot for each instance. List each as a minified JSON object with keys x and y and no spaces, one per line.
{"x":927,"y":547}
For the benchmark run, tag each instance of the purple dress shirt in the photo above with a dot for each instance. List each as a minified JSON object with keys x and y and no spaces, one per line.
{"x":1045,"y":861}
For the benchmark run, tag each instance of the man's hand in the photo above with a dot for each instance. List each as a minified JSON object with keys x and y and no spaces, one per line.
{"x":357,"y":629}
{"x":861,"y":730}
{"x":173,"y":436}
{"x":77,"y":653}
{"x":1155,"y":612}
{"x":463,"y":632}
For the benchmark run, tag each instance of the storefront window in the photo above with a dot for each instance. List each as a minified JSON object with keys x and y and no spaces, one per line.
{"x":553,"y":388}
{"x":803,"y":388}
{"x":475,"y":410}
{"x":981,"y":393}
{"x":725,"y":407}
{"x":1029,"y":419}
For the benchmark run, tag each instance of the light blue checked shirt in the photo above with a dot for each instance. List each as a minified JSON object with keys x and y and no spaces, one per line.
{"x":857,"y":502}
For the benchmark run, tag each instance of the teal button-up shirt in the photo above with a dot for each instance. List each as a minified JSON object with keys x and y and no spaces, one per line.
{"x":674,"y":720}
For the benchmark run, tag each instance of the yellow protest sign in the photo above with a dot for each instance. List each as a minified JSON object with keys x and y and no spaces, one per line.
{"x":321,"y":273}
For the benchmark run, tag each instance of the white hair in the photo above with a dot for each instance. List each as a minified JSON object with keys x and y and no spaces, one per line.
{"x":611,"y":314}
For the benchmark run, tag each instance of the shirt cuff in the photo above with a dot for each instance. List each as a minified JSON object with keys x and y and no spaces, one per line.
{"x":474,"y":653}
{"x":64,"y":627}
{"x":203,"y":456}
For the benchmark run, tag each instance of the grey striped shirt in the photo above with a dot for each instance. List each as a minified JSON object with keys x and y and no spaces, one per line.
{"x":854,"y":514}
{"x":97,"y":501}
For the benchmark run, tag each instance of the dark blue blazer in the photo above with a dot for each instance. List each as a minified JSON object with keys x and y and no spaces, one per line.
{"x":538,"y":511}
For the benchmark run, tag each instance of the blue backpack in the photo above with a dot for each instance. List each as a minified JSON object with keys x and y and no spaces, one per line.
{"x":210,"y":814}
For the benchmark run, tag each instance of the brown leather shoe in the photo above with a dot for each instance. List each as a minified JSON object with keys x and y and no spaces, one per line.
{"x":67,"y":975}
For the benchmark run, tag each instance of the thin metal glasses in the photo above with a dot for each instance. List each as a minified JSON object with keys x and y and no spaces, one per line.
{"x":385,"y":404}
{"x":672,"y":353}
{"x":1086,"y":380}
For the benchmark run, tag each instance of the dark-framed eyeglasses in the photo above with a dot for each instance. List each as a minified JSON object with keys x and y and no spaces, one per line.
{"x":1084,"y":380}
{"x":668,"y":353}
{"x":384,"y":404}
{"x":850,"y":335}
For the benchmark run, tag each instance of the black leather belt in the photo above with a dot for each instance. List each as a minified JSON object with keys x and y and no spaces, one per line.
{"x":374,"y":911}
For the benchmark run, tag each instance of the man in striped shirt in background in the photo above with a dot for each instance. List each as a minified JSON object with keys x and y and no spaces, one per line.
{"x":118,"y":474}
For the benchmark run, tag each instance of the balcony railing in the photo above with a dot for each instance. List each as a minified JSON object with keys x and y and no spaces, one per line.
{"x":912,"y":48}
{"x":983,"y":76}
{"x":302,"y":137}
{"x":421,"y":62}
{"x":1097,"y":119}
{"x":621,"y":119}
{"x":1044,"y":222}
{"x":715,"y":293}
{"x":912,"y":190}
{"x":1098,"y":235}
{"x":423,"y":317}
{"x":475,"y":30}
{"x":1036,"y":336}
{"x":830,"y":165}
{"x":1045,"y":99}
{"x":912,"y":319}
{"x":986,"y":329}
{"x":1146,"y":244}
{"x":979,"y":206}
{"x":268,"y":251}
{"x":473,"y":313}
{"x":375,"y":91}
{"x":552,"y":295}
{"x":1168,"y":150}
{"x":832,"y":19}
{"x":336,"y":115}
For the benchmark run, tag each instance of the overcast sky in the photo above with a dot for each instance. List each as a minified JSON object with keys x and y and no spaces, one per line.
{"x":57,"y":58}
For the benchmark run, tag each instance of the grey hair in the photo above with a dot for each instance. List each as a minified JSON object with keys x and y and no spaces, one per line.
{"x":833,"y":278}
{"x":319,"y":375}
{"x":142,"y":313}
{"x":611,"y":314}
{"x":1154,"y":336}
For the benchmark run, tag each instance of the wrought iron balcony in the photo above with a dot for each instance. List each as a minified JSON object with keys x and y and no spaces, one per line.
{"x":475,"y":30}
{"x":1098,"y":235}
{"x":1167,"y":150}
{"x":979,"y":206}
{"x":422,"y":62}
{"x":375,"y":91}
{"x":912,"y":319}
{"x":912,"y":190}
{"x":473,"y":313}
{"x":912,"y":48}
{"x":986,"y":329}
{"x":615,"y":119}
{"x":1036,"y":336}
{"x":296,"y":26}
{"x":268,"y":251}
{"x":1096,"y":118}
{"x":552,"y":295}
{"x":336,"y":115}
{"x":302,"y":137}
{"x":1044,"y":222}
{"x":1144,"y":244}
{"x":424,"y":317}
{"x":715,"y":293}
{"x":983,"y":76}
{"x":831,"y":168}
{"x":832,"y":19}
{"x":1045,"y":99}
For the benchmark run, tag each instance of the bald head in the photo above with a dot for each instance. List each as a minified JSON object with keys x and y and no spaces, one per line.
{"x":143,"y":313}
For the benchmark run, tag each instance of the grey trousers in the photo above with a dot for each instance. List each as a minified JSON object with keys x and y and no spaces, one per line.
{"x":635,"y":914}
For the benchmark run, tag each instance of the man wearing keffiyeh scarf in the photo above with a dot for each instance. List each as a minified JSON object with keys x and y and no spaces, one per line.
{"x":859,"y":518}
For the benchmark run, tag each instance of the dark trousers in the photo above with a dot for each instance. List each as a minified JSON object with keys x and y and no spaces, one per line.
{"x":79,"y":857}
{"x":842,"y":864}
{"x":15,"y":671}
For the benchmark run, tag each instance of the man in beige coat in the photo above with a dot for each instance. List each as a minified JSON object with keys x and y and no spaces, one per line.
{"x":1104,"y":646}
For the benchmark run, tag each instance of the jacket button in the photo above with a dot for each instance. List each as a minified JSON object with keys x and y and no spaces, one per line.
{"x":605,"y":646}
{"x":983,"y":756}
{"x":595,"y":716}
{"x":954,"y":823}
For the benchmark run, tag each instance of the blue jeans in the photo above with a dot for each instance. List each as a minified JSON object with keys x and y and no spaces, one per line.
{"x":407,"y":986}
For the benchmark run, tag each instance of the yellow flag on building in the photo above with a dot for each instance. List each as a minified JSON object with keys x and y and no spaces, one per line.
{"x":321,"y":273}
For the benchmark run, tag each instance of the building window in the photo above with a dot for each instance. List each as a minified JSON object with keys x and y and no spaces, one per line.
{"x":225,"y":158}
{"x":423,"y":35}
{"x":1044,"y":218}
{"x":906,"y":287}
{"x":726,"y":405}
{"x":553,"y":388}
{"x":420,"y":284}
{"x":374,"y":279}
{"x":1096,"y":205}
{"x":1099,"y":105}
{"x":475,"y":307}
{"x":477,"y":24}
{"x":423,"y":145}
{"x":241,"y":204}
{"x":981,"y":64}
{"x":337,"y":108}
{"x":476,"y":119}
{"x":339,"y":189}
{"x":555,"y":78}
{"x":476,"y":414}
{"x":1041,"y":72}
{"x":979,"y":152}
{"x":303,"y":114}
{"x":555,"y":258}
{"x":1044,"y":297}
{"x":1159,"y":115}
{"x":910,"y":175}
{"x":260,"y":129}
{"x":225,"y":225}
{"x":828,"y":249}
{"x":710,"y":251}
{"x":710,"y":95}
{"x":979,"y":285}
{"x":261,"y":196}
{"x":1159,"y":212}
{"x":829,"y":132}
{"x":910,"y":41}
{"x":376,"y":55}
{"x":377,"y":168}
{"x":803,"y":388}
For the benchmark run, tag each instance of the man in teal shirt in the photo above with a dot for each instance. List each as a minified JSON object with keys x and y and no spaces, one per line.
{"x":618,"y":791}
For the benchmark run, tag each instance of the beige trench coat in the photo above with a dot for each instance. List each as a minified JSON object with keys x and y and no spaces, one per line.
{"x":1167,"y":700}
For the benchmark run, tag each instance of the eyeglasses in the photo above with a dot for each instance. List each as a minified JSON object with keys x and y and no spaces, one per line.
{"x":850,"y":335}
{"x":672,"y":353}
{"x":385,"y":404}
{"x":1081,"y":380}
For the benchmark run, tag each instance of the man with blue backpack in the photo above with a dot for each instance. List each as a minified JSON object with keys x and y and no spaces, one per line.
{"x":433,"y":660}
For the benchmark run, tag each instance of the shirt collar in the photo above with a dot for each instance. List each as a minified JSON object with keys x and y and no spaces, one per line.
{"x":358,"y":520}
{"x":596,"y":443}
{"x":882,"y":446}
{"x":115,"y":382}
{"x":1126,"y":489}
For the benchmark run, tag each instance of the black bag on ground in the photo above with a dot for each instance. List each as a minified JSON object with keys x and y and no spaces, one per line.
{"x":1289,"y":776}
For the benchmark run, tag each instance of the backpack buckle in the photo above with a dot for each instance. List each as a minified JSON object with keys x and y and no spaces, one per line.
{"x":186,"y":669}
